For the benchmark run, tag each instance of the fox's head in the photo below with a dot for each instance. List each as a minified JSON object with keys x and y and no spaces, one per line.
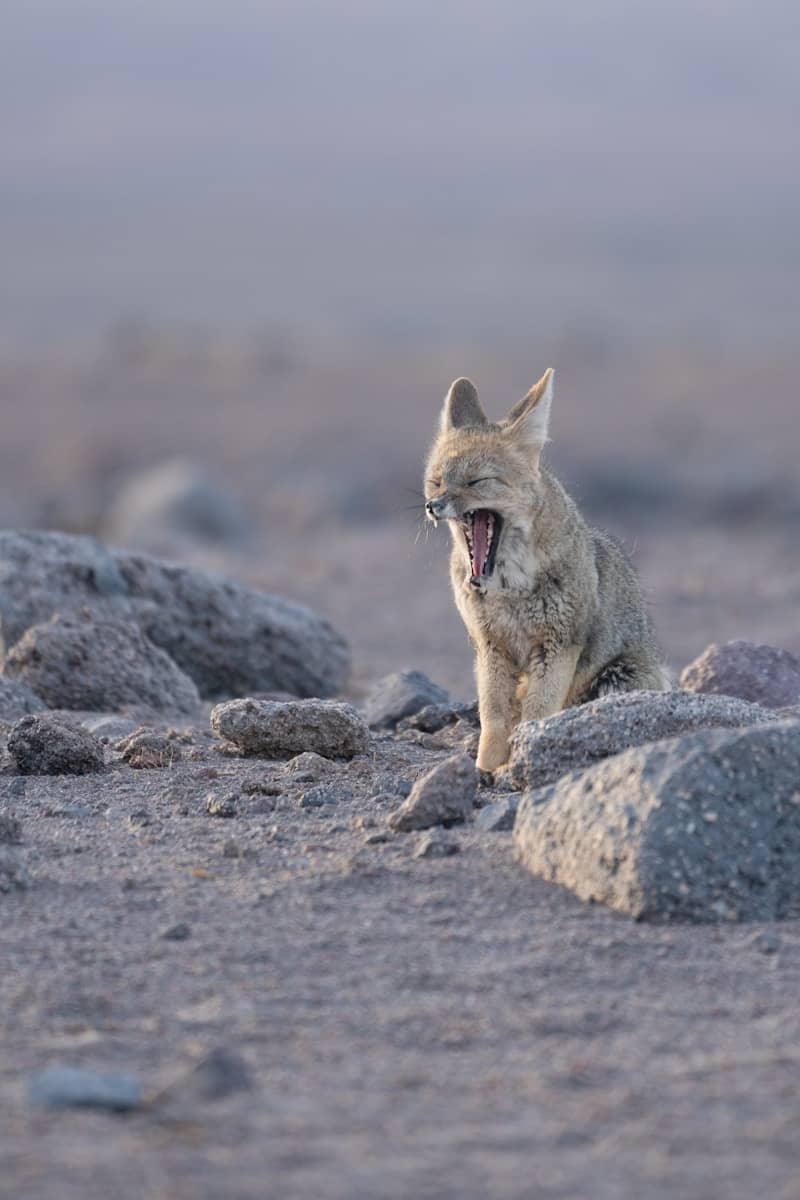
{"x":484,"y":476}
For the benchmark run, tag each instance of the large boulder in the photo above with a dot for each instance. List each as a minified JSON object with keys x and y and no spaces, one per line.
{"x":230,"y":639}
{"x":542,"y":751}
{"x":699,"y":828}
{"x":98,"y":664}
{"x":177,"y":505}
{"x":282,"y":730}
{"x":763,"y":674}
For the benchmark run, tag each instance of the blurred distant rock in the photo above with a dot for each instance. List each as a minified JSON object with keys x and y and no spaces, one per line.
{"x":401,"y":695}
{"x":230,"y":639}
{"x":764,"y":675}
{"x":17,"y":701}
{"x":175,"y":505}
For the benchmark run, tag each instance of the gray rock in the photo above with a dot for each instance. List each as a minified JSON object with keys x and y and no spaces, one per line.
{"x":542,"y":751}
{"x":14,"y":876}
{"x":765,"y":941}
{"x":399,"y":696}
{"x":177,"y":505}
{"x":146,"y":748}
{"x":762,"y":674}
{"x":498,"y":817}
{"x":177,"y":933}
{"x":85,"y":662}
{"x":325,"y":793}
{"x":230,"y":639}
{"x":435,"y":845}
{"x":219,"y":1074}
{"x":442,"y":796}
{"x":48,"y":744}
{"x":435,"y":717}
{"x":700,"y":828}
{"x":114,"y":728}
{"x":307,"y":766}
{"x":17,"y":701}
{"x":386,"y":784}
{"x":73,"y":1087}
{"x":325,"y":727}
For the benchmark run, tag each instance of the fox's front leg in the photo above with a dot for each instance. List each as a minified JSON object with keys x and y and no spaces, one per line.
{"x":550,"y":677}
{"x":497,"y":706}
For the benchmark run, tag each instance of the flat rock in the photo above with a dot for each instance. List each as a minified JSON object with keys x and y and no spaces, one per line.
{"x":49,"y":744}
{"x":230,"y":639}
{"x":704,"y":827}
{"x":282,"y":730}
{"x":74,"y":1087}
{"x":398,"y":696}
{"x":82,"y":661}
{"x":442,"y":796}
{"x":762,"y":674}
{"x":17,"y":701}
{"x":542,"y":751}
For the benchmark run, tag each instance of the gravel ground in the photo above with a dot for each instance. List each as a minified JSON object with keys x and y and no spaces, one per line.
{"x":428,"y":1027}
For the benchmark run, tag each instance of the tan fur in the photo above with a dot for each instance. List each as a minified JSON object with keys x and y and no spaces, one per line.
{"x":562,"y":619}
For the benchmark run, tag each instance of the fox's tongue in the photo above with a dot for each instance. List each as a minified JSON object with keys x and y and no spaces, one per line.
{"x":480,"y":542}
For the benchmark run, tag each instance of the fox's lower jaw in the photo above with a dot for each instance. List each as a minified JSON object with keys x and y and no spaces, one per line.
{"x":482,"y":530}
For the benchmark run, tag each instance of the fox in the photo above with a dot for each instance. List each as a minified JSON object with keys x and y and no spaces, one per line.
{"x":553,"y":608}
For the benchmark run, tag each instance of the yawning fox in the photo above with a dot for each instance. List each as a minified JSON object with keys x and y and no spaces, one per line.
{"x":552,"y":607}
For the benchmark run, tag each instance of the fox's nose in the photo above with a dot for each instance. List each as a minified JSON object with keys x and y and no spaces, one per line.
{"x":434,"y":508}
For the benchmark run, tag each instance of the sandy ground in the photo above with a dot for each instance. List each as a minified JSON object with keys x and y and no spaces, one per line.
{"x":413,"y":1027}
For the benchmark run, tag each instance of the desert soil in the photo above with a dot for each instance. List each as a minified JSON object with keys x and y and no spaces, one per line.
{"x":437,"y":1027}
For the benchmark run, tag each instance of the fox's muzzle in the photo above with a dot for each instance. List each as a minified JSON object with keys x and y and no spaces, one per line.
{"x":435,"y":509}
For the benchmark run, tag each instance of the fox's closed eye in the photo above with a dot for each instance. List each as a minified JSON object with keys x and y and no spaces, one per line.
{"x":483,"y":479}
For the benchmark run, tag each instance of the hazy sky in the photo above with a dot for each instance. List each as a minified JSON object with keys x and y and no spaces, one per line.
{"x":400,"y":168}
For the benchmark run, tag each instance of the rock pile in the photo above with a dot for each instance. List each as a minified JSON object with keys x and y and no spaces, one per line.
{"x":229,"y":639}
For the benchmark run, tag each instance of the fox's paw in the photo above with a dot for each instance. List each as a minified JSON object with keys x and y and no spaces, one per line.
{"x":492,"y":750}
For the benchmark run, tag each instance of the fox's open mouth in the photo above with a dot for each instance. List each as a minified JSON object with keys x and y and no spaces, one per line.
{"x":482,"y":529}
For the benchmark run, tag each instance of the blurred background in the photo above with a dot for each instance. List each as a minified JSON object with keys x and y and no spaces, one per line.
{"x":246,"y":246}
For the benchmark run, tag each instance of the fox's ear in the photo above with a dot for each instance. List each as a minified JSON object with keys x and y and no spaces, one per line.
{"x":529,"y":419}
{"x":461,"y":406}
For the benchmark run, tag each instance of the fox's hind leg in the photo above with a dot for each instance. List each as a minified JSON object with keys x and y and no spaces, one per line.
{"x":627,"y":674}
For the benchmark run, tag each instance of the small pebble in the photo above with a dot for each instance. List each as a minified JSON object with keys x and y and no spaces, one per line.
{"x":73,"y":1087}
{"x":221,"y":806}
{"x":434,"y":845}
{"x":177,"y":933}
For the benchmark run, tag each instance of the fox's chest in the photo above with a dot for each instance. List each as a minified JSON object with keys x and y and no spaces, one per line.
{"x":511,"y":620}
